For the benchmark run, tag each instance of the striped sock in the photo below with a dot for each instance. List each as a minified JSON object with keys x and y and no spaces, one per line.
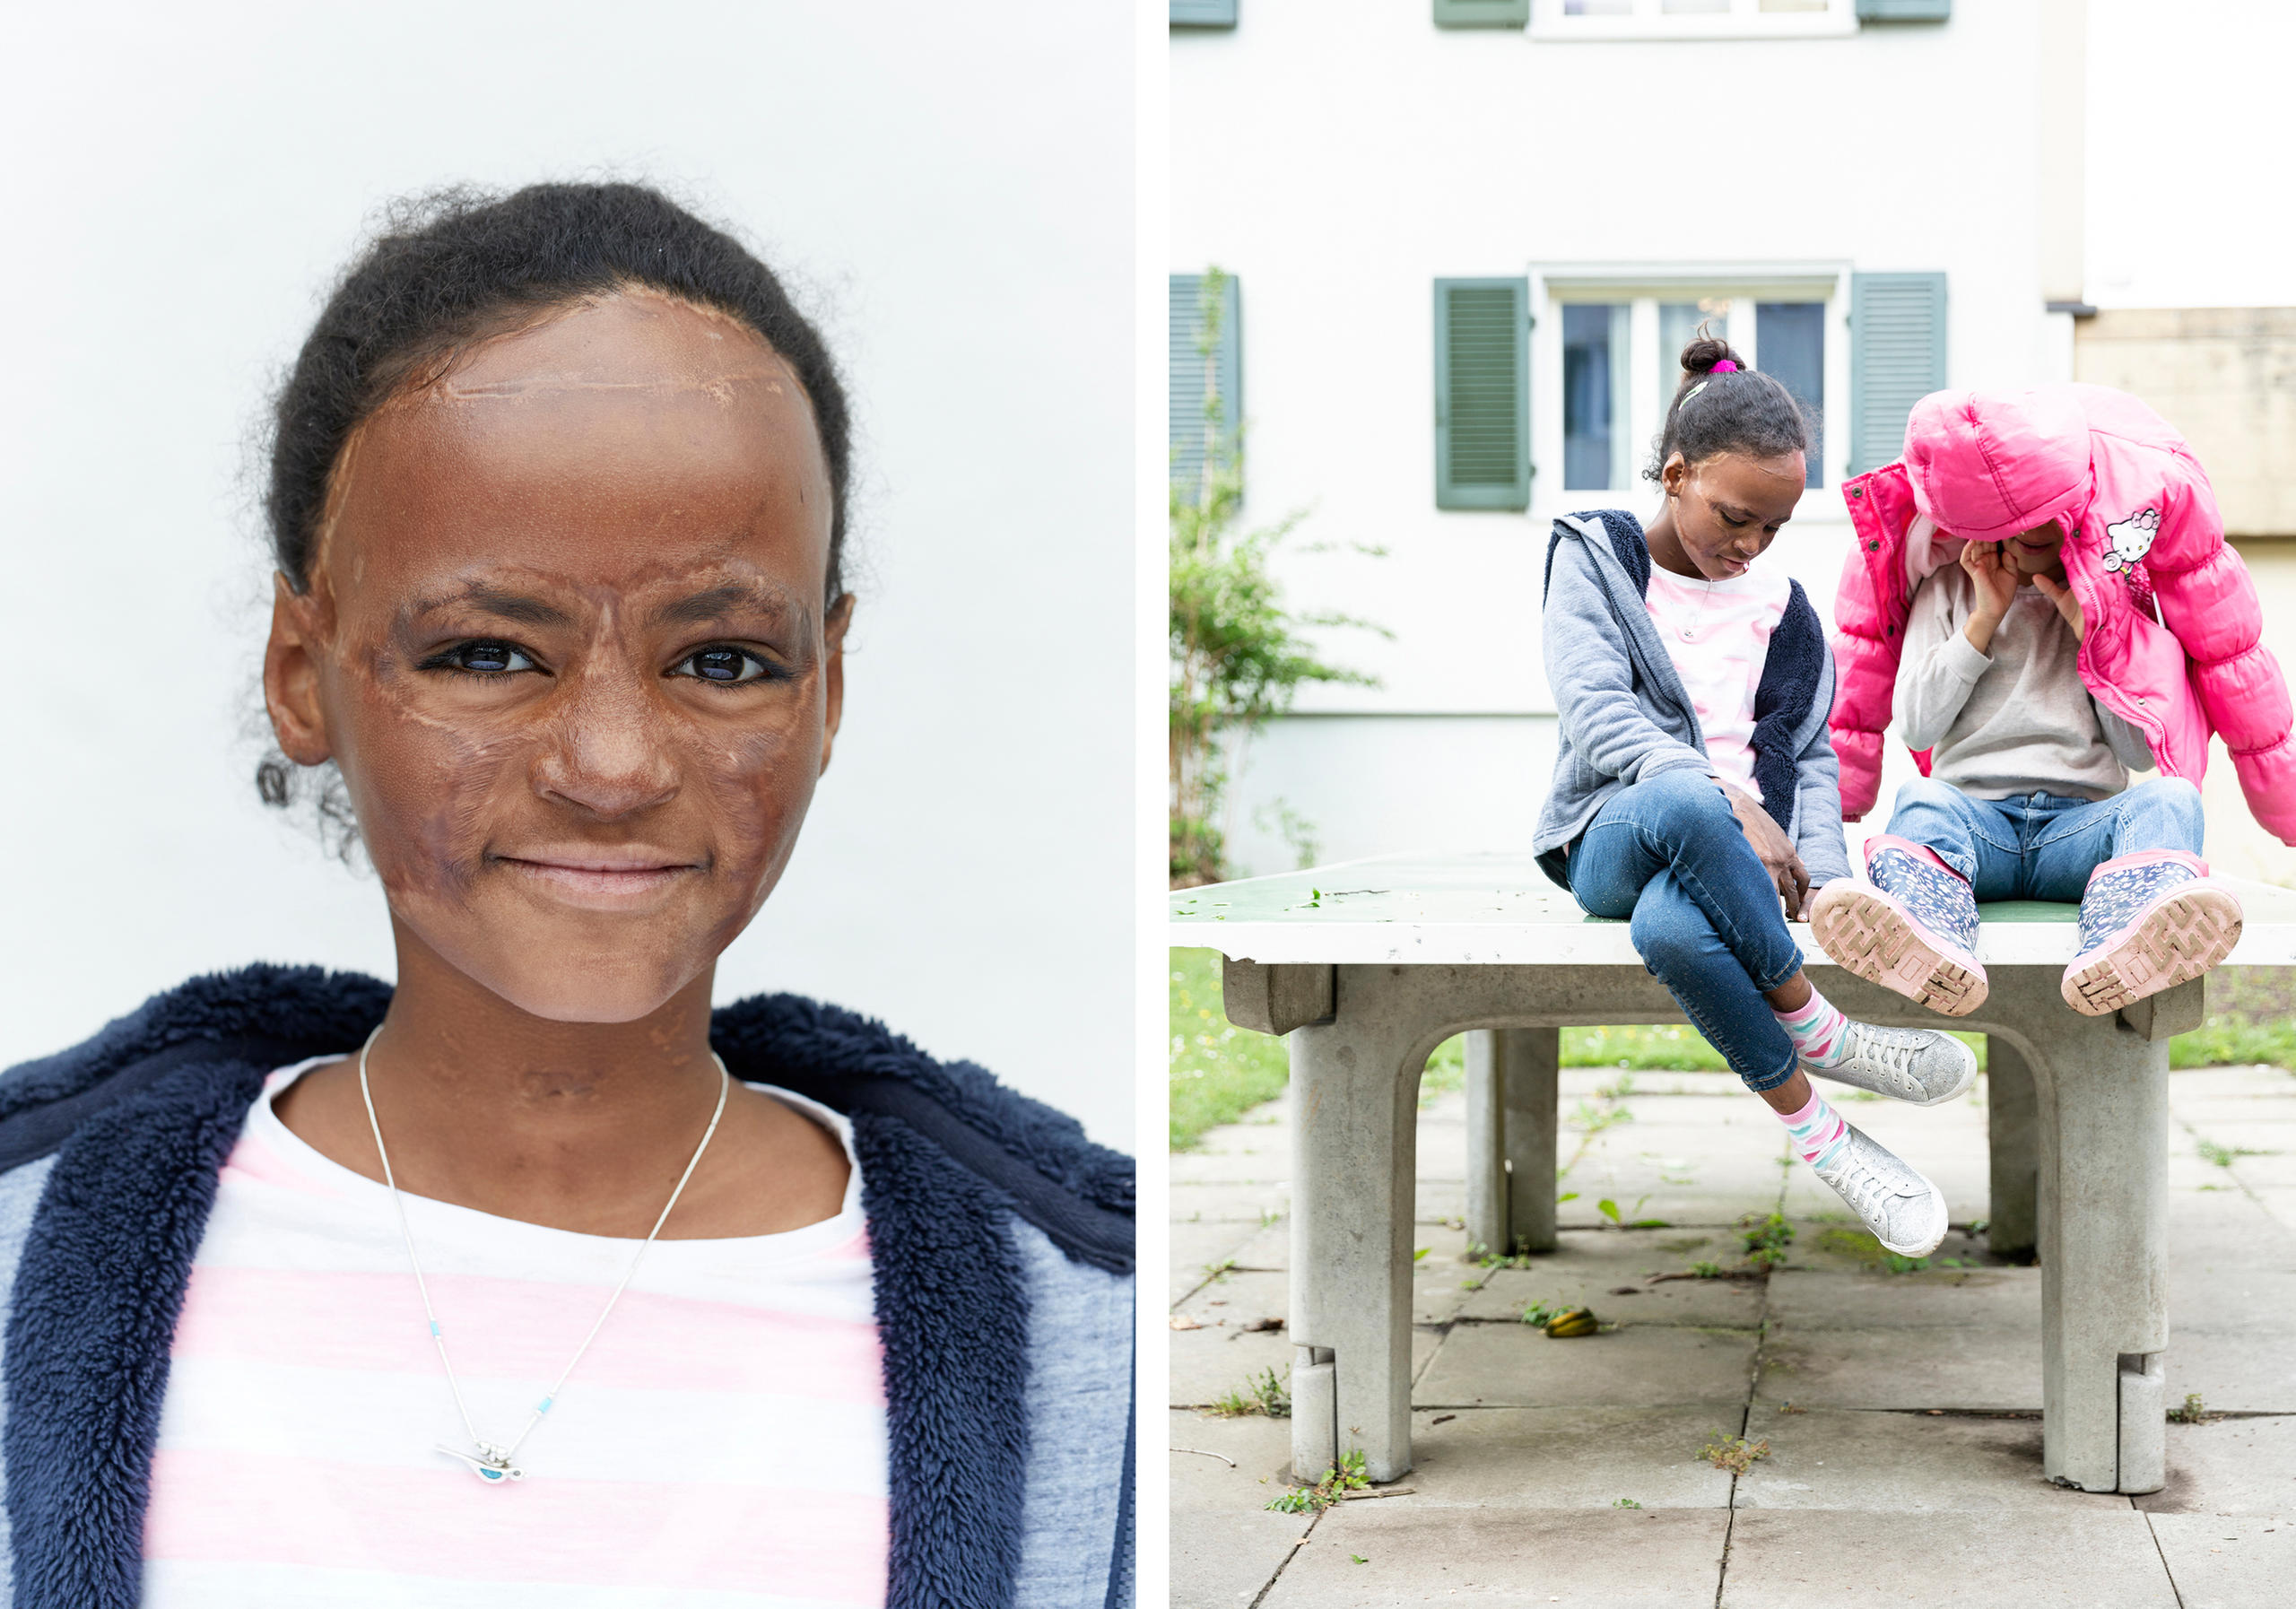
{"x":1817,"y":1031}
{"x":1816,"y":1130}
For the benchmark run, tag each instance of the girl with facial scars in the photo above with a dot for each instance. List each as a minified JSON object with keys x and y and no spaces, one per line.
{"x":532,"y":1279}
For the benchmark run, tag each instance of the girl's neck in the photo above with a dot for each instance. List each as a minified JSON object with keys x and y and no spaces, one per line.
{"x":577,"y":1126}
{"x":1665,"y":545}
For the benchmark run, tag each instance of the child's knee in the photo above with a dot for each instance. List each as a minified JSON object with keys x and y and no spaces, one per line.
{"x":2180,"y":800}
{"x":1671,"y":936}
{"x":1690,"y":802}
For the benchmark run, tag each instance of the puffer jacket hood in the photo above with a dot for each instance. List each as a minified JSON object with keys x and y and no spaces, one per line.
{"x":1988,"y":467}
{"x":2172,"y":644}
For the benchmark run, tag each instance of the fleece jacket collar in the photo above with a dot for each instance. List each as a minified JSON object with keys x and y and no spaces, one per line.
{"x":156,"y":1101}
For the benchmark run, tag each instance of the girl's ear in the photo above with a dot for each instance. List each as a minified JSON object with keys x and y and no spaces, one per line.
{"x":291,"y":677}
{"x":833,"y":625}
{"x":1670,"y":474}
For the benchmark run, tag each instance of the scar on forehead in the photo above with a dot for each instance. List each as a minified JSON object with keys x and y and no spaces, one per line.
{"x":760,"y":367}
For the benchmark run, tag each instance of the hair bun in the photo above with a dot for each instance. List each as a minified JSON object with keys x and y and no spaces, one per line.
{"x":1704,"y":352}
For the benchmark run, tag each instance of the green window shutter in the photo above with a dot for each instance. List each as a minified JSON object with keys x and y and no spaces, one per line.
{"x":1897,"y":357}
{"x":1483,"y":388}
{"x":1187,"y":372}
{"x":1203,"y":13}
{"x":1482,"y":14}
{"x":1905,"y":10}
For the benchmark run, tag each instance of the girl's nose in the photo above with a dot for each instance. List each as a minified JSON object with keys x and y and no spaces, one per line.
{"x":605,"y":755}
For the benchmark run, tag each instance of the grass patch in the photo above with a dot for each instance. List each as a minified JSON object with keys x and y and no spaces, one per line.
{"x":1217,"y":1072}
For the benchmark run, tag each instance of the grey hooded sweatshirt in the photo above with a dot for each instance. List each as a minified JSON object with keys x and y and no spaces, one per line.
{"x":1624,"y":715}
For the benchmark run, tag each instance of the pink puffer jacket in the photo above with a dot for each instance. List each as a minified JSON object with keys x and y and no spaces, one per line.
{"x":2173,"y":622}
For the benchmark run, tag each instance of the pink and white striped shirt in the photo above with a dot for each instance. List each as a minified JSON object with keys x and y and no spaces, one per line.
{"x":1717,"y":634}
{"x":723,"y":1442}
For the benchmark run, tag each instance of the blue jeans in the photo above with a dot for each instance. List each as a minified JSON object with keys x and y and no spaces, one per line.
{"x":1669,"y":856}
{"x":2042,"y":846}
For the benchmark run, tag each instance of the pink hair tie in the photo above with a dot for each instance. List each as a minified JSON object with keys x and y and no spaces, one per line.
{"x":1724,"y":367}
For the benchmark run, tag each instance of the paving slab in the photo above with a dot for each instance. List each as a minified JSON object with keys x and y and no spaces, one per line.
{"x":1504,"y":1558}
{"x":1214,"y":1204}
{"x":1592,"y":1267}
{"x":2228,"y":1563}
{"x":1570,"y":1457}
{"x":1640,"y":1365}
{"x":1271,"y":1166}
{"x":1958,"y":1366}
{"x":1198,"y":1248}
{"x":1223,"y":1557}
{"x":2076,"y":1559}
{"x":2247,"y":1370}
{"x":1260,"y":1446}
{"x":1222,"y":1355}
{"x":2230,"y":1467}
{"x":1829,"y":1458}
{"x":1804,"y":1300}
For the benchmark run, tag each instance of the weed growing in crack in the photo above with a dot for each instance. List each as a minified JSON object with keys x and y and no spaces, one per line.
{"x":1347,"y":1476}
{"x":1734,"y":1453}
{"x":1262,"y":1393}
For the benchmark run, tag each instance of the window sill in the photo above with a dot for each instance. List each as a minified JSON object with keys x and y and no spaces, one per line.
{"x":1572,"y":31}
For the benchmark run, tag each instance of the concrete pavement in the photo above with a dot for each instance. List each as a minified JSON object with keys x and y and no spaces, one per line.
{"x":1900,"y":1408}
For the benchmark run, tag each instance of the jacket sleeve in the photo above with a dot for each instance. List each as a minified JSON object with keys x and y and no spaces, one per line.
{"x":1592,"y":678}
{"x":1863,"y":687}
{"x":1817,"y":786}
{"x":2206,"y":598}
{"x":1940,"y":667}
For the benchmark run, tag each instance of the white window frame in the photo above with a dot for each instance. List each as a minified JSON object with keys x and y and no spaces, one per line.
{"x":1743,"y":21}
{"x":1643,"y":287}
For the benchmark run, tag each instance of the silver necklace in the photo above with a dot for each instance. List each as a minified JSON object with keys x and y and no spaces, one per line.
{"x":491,"y":1462}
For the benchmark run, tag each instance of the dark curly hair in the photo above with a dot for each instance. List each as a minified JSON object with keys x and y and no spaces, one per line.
{"x":460,"y":265}
{"x":1738,"y":410}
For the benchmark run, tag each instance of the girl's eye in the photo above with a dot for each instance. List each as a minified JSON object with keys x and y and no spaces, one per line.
{"x":482,"y":659}
{"x":727,"y":665}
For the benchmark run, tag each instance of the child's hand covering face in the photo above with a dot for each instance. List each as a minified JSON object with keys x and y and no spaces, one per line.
{"x":566,"y":637}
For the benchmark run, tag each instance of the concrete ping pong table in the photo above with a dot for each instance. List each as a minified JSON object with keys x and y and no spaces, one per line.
{"x":1366,"y":966}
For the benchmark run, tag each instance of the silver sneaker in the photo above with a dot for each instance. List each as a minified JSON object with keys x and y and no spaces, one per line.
{"x":1905,"y":1211}
{"x":1920,"y":1065}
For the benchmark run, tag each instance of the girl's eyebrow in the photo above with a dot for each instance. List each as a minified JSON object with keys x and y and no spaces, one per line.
{"x":716,"y":603}
{"x":518,"y":607}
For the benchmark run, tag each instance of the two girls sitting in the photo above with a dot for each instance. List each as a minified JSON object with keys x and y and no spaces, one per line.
{"x":1697,"y":792}
{"x":2042,"y":598}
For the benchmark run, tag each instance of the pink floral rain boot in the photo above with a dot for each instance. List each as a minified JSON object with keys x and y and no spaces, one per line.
{"x":1908,"y":924}
{"x":2149,"y":921}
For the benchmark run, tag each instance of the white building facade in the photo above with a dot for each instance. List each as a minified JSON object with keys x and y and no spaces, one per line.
{"x":1465,"y":257}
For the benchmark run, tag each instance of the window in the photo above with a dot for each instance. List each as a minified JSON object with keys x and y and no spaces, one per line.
{"x":1692,"y":18}
{"x":1612,"y":362}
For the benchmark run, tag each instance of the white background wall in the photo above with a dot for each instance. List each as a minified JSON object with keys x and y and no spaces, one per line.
{"x":1340,"y":155}
{"x":950,"y":188}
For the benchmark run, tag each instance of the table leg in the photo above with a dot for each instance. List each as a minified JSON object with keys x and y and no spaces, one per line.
{"x":1531,"y":1060}
{"x":1487,"y":1135}
{"x":2103,"y":1120}
{"x":1511,"y":1099}
{"x":1354,"y":1160}
{"x":2010,"y":1119}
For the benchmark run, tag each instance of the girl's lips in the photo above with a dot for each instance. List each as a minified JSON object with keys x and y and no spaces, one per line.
{"x":607,"y":881}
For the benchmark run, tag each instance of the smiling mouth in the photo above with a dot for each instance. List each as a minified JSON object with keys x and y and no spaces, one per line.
{"x":599,"y":879}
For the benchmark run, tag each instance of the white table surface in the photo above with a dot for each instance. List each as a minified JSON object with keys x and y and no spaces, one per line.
{"x":1498,"y":910}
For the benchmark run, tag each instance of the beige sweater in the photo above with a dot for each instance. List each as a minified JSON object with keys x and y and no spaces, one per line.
{"x":2015,"y":720}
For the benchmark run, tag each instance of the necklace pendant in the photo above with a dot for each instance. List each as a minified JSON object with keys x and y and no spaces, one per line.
{"x":491,"y":1464}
